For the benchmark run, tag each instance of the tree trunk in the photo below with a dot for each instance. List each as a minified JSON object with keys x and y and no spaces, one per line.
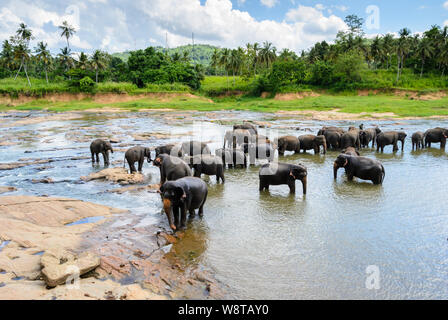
{"x":423,"y":65}
{"x":26,"y":73}
{"x":96,"y":74}
{"x":46,"y":74}
{"x":18,"y":71}
{"x":398,"y":68}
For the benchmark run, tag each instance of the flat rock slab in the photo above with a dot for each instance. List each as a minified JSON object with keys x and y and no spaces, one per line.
{"x":152,"y":188}
{"x":116,"y":175}
{"x":7,"y":189}
{"x":59,"y":265}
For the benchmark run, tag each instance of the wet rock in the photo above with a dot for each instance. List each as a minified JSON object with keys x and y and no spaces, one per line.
{"x":116,"y":175}
{"x":59,"y":265}
{"x":152,"y":188}
{"x":115,"y":266}
{"x":7,"y":189}
{"x":44,"y":180}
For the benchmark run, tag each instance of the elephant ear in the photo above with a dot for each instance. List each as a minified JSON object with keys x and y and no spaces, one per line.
{"x":180,"y":193}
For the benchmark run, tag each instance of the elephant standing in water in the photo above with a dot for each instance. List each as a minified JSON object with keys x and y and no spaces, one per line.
{"x":436,"y":135}
{"x":137,"y":154}
{"x":101,"y":146}
{"x":288,"y":143}
{"x":390,"y":138}
{"x":332,"y":136}
{"x":209,"y":165}
{"x":360,"y":167}
{"x":309,"y":141}
{"x":232,"y":157}
{"x":369,"y":135}
{"x":238,"y":137}
{"x":282,"y":173}
{"x":185,"y":194}
{"x":418,"y":140}
{"x":171,"y":168}
{"x":351,"y":138}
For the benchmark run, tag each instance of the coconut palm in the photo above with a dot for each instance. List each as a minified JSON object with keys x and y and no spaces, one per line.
{"x":388,"y":48}
{"x":99,"y":61}
{"x":22,"y":54}
{"x":224,"y":62}
{"x":424,"y":50}
{"x":402,"y":49}
{"x":215,"y":60}
{"x":43,"y":56}
{"x":65,"y":58}
{"x":7,"y":55}
{"x":67,"y":31}
{"x":83,"y":61}
{"x":267,"y":54}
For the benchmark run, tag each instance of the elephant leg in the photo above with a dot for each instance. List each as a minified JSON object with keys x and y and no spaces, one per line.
{"x":93,"y":157}
{"x":140,"y":165}
{"x":176,"y":216}
{"x":97,"y":155}
{"x":183,"y":217}
{"x":132,"y":167}
{"x":292,"y":187}
{"x":349,"y":177}
{"x":192,"y":213}
{"x":105,"y":158}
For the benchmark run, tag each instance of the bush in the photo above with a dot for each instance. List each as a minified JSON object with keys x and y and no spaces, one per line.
{"x":86,"y":84}
{"x":348,"y":70}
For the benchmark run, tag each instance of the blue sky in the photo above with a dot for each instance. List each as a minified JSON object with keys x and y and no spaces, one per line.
{"x":118,"y":25}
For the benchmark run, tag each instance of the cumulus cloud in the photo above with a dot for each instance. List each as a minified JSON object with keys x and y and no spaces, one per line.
{"x":445,"y":5}
{"x":268,"y":3}
{"x":113,"y":25}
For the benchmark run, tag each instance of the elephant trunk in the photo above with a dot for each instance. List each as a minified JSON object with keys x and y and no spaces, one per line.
{"x":304,"y":182}
{"x":335,"y":170}
{"x":169,"y":212}
{"x":325,"y":147}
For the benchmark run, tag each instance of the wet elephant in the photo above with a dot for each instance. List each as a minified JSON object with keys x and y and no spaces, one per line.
{"x":360,"y":167}
{"x":327,"y":129}
{"x":436,"y":135}
{"x":390,"y":138}
{"x":171,"y":168}
{"x":180,"y":196}
{"x":194,"y":148}
{"x":171,"y":149}
{"x":137,"y":154}
{"x":288,"y":143}
{"x":263,"y":151}
{"x":333,"y":138}
{"x":367,"y":136}
{"x":209,"y":165}
{"x":232,"y":157}
{"x":246,"y":126}
{"x":418,"y":140}
{"x":351,"y":139}
{"x":312,"y":142}
{"x":282,"y":173}
{"x":238,"y":137}
{"x":101,"y":146}
{"x":349,"y":151}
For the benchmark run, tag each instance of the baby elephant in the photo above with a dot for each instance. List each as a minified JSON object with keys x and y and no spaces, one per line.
{"x":185,"y":194}
{"x":137,"y":154}
{"x":209,"y":165}
{"x":282,"y":173}
{"x":101,"y":146}
{"x":360,"y":167}
{"x":417,"y":140}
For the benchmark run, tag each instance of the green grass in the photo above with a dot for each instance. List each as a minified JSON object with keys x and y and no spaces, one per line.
{"x":213,"y":86}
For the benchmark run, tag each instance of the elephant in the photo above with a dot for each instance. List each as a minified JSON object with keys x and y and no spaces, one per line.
{"x":171,"y":168}
{"x":238,"y":137}
{"x":259,"y":151}
{"x":288,"y":143}
{"x":333,"y":138}
{"x":194,"y":148}
{"x":232,"y":157}
{"x":436,"y":135}
{"x":137,"y":154}
{"x":326,"y":129}
{"x":282,"y":173}
{"x":351,"y":139}
{"x":360,"y":167}
{"x":390,"y":138}
{"x":246,"y":126}
{"x":101,"y":146}
{"x":368,"y":135}
{"x":418,"y":140}
{"x":351,"y":151}
{"x":171,"y":149}
{"x":209,"y":165}
{"x":184,"y":194}
{"x":309,"y":141}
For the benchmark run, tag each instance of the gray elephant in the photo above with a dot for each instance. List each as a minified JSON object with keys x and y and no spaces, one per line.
{"x":171,"y":149}
{"x":246,"y":126}
{"x":436,"y":135}
{"x":333,"y":138}
{"x":288,"y":143}
{"x":390,"y":138}
{"x":238,"y":137}
{"x":137,"y":154}
{"x":369,"y":135}
{"x":327,"y":129}
{"x":171,"y":168}
{"x":312,"y":142}
{"x":180,"y":196}
{"x":194,"y":148}
{"x":282,"y":173}
{"x":101,"y":146}
{"x":209,"y":165}
{"x":360,"y":167}
{"x":263,"y":151}
{"x":232,"y":157}
{"x":351,"y":139}
{"x":418,"y":140}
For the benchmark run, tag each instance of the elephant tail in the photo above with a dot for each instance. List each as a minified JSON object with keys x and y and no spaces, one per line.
{"x":383,"y":174}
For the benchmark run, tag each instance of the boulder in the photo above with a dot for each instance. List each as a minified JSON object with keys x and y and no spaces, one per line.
{"x":59,"y":265}
{"x":116,"y":175}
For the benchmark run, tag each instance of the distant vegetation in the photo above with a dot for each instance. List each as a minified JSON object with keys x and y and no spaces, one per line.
{"x":352,"y":62}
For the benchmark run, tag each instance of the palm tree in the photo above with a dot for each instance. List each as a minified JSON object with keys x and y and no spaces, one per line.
{"x":67,"y":31}
{"x":224,"y":62}
{"x":43,"y":55}
{"x":23,"y":38}
{"x":424,"y":50}
{"x":7,"y":55}
{"x":376,"y":50}
{"x":99,"y":62}
{"x":267,"y":53}
{"x":215,"y":59}
{"x":402,"y":49}
{"x":65,"y":58}
{"x":388,"y":47}
{"x":83,"y":61}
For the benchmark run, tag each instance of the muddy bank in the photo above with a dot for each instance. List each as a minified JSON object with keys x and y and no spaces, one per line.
{"x":37,"y":231}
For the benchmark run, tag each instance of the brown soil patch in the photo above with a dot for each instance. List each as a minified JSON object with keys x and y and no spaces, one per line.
{"x":295,"y":96}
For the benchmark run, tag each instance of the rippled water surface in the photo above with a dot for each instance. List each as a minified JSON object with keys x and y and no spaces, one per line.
{"x":269,"y":245}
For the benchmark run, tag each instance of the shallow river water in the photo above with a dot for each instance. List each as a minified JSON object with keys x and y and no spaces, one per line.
{"x":268,"y":245}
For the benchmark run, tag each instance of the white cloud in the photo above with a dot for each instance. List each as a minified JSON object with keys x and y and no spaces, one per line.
{"x":445,"y":5}
{"x":320,"y":6}
{"x":268,"y":3}
{"x":445,"y":24}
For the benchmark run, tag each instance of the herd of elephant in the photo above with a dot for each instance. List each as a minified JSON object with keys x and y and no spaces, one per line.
{"x":182,"y":191}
